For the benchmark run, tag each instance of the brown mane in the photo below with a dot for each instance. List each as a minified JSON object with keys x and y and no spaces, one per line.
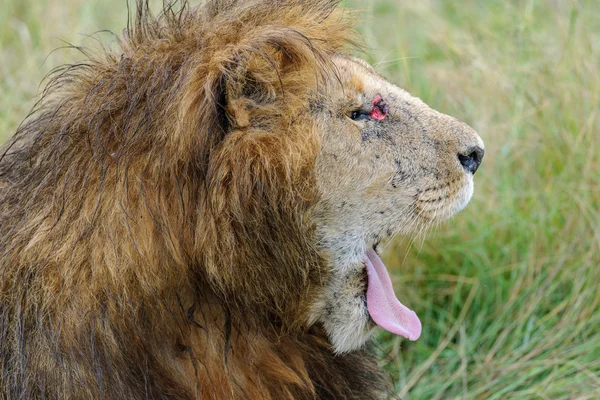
{"x":146,"y":198}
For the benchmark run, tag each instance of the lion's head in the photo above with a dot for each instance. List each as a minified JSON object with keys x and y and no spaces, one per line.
{"x":361,"y":159}
{"x":227,"y":172}
{"x":353,"y":160}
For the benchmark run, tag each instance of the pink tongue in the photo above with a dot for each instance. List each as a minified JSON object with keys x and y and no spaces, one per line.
{"x":383,"y":306}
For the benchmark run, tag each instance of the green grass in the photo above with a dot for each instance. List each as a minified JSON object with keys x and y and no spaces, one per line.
{"x":507,"y":290}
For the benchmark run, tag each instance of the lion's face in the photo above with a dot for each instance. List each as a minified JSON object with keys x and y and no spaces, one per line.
{"x":387,"y":164}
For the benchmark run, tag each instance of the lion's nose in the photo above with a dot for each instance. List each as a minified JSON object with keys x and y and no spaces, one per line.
{"x":471,"y":158}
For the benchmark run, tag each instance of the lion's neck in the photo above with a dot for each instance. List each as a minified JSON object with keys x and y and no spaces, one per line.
{"x":227,"y":356}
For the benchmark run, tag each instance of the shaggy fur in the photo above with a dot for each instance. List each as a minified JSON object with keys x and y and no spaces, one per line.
{"x":135,"y":243}
{"x":185,"y":216}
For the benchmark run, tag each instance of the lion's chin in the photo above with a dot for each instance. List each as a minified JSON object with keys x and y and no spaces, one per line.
{"x":342,"y":311}
{"x":350,"y":336}
{"x":350,"y":312}
{"x":348,"y":324}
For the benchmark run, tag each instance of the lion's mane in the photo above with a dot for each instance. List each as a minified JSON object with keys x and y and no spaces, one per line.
{"x":154,"y":240}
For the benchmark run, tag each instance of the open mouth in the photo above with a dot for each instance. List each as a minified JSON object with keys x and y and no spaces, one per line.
{"x":383,"y":306}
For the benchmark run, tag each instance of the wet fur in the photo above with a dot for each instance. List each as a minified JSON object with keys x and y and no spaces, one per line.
{"x":154,"y":240}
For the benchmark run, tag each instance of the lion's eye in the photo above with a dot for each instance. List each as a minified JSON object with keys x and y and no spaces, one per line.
{"x":360,"y":115}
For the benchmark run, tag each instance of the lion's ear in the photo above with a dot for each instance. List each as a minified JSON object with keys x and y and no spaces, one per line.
{"x":263,"y":58}
{"x":264,"y":76}
{"x":248,"y":85}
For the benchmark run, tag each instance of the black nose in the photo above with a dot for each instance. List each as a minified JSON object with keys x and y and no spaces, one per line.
{"x":471,"y":159}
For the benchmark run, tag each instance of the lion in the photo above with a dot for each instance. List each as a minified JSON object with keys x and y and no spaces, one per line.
{"x":194,"y":213}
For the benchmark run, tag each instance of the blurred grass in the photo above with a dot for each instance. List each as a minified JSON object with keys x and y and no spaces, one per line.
{"x":507,"y":290}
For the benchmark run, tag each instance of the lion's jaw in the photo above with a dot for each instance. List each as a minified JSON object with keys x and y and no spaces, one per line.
{"x":380,"y":176}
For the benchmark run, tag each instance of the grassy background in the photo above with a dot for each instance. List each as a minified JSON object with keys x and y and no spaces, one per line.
{"x":507,"y":290}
